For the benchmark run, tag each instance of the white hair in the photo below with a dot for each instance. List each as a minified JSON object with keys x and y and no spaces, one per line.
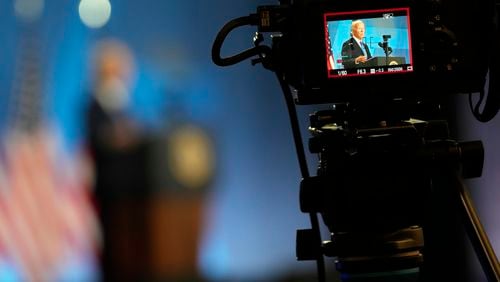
{"x":356,"y":23}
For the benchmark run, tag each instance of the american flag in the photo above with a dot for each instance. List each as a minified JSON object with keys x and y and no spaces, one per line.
{"x":329,"y":54}
{"x":46,"y":213}
{"x":48,"y":225}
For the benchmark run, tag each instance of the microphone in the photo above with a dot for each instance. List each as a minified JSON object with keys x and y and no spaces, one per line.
{"x":385,"y":45}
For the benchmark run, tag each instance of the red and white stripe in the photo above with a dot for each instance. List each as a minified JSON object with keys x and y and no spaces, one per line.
{"x":45,"y":209}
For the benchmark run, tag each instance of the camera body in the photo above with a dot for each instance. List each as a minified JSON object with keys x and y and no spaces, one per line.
{"x":436,"y":47}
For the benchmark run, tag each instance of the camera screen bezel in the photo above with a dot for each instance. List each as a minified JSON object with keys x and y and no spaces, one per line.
{"x":313,"y":86}
{"x":385,"y":64}
{"x":444,"y":52}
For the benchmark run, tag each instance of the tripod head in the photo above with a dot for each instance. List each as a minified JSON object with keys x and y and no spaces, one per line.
{"x":371,"y":186}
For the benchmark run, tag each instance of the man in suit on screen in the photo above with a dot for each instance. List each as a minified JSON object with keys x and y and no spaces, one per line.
{"x":354,"y":51}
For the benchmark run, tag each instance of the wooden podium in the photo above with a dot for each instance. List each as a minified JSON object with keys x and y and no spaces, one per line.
{"x":153,"y":205}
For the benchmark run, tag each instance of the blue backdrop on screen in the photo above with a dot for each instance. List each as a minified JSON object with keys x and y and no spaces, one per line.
{"x":397,"y":27}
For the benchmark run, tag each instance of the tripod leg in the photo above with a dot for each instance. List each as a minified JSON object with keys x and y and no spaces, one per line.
{"x":476,"y":233}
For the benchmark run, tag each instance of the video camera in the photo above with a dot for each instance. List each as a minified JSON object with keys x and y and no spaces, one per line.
{"x":384,"y":146}
{"x":439,"y":46}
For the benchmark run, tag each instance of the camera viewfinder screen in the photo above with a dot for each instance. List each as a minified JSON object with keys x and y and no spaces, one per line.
{"x":365,"y":43}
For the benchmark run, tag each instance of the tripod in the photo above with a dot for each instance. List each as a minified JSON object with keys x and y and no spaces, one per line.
{"x":378,"y":189}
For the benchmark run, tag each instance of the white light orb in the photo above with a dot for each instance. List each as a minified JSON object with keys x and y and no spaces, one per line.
{"x":94,"y":13}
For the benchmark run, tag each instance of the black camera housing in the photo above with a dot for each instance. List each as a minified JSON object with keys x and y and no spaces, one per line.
{"x":450,"y":49}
